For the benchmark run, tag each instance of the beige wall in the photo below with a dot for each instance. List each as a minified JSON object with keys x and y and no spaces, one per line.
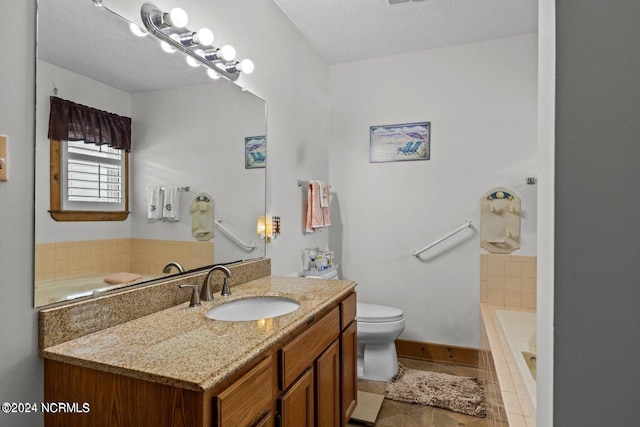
{"x":142,"y":256}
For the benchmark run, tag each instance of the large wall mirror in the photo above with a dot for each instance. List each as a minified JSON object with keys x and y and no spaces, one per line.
{"x":188,"y":131}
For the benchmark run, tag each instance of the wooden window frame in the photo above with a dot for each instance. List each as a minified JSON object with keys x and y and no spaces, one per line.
{"x":55,"y":191}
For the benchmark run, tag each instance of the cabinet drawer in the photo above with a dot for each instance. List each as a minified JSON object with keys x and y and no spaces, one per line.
{"x":246,"y":399}
{"x":300,"y":353}
{"x":347,"y":310}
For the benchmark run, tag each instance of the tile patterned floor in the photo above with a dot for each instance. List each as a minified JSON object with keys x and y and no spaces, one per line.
{"x":399,"y":414}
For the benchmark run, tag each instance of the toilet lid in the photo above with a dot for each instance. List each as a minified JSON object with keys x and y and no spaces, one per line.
{"x":374,"y":313}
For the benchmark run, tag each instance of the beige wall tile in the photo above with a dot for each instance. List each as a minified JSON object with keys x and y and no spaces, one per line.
{"x":496,"y":298}
{"x":513,"y":269}
{"x":513,"y":284}
{"x":529,"y":269}
{"x":529,"y":301}
{"x":484,"y":288}
{"x":499,"y":257}
{"x":495,"y":268}
{"x":484,"y":268}
{"x":529,"y":285}
{"x":513,"y":299}
{"x":495,"y":283}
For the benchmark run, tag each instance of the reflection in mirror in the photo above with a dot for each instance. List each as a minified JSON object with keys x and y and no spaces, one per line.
{"x":188,"y":146}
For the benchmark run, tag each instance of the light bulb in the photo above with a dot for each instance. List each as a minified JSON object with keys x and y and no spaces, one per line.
{"x":227,"y":52}
{"x":204,"y":36}
{"x":246,"y":66}
{"x":137,"y":30}
{"x":192,"y":62}
{"x":178,"y":17}
{"x":166,"y":47}
{"x":212,"y":74}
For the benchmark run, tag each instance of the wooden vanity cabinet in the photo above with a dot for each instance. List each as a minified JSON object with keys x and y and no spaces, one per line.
{"x":348,"y":358}
{"x":308,"y":379}
{"x":327,"y":348}
{"x":296,"y":405}
{"x":247,"y":401}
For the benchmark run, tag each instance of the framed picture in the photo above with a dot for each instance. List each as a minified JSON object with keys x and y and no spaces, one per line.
{"x":395,"y":143}
{"x":255,"y":152}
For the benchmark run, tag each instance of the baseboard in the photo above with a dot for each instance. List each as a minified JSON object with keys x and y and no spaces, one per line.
{"x":438,"y":352}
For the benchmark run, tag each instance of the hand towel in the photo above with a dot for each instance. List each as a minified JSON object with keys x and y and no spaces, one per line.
{"x":202,"y":217}
{"x":171,"y":205}
{"x":121,"y":277}
{"x":324,"y":194}
{"x":154,"y":203}
{"x":317,"y":216}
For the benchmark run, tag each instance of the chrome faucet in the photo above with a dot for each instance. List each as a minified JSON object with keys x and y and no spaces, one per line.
{"x":205,"y":293}
{"x":167,"y":268}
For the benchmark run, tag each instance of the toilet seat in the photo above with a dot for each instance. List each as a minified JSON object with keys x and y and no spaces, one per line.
{"x":375,"y":313}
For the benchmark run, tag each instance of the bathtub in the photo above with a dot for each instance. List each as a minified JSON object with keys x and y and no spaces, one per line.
{"x":518,"y":330}
{"x":51,"y":291}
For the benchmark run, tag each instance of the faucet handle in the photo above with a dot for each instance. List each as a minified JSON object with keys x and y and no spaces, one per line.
{"x":226,"y":290}
{"x":195,"y":296}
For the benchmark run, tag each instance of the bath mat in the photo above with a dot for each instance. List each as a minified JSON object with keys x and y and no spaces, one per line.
{"x":464,"y":395}
{"x":369,"y":405}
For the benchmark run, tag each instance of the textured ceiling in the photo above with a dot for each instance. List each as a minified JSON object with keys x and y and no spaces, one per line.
{"x":351,"y":30}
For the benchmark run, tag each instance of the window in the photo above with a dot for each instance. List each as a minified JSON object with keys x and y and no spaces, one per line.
{"x":88,"y":182}
{"x":93,"y":176}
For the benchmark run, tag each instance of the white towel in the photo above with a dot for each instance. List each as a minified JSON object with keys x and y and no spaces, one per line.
{"x":171,"y":205}
{"x":154,"y":203}
{"x":324,"y":194}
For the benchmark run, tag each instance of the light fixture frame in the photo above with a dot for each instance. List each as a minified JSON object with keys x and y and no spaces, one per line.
{"x":149,"y":14}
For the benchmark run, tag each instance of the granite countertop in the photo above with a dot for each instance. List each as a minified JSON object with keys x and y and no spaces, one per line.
{"x":181,"y":347}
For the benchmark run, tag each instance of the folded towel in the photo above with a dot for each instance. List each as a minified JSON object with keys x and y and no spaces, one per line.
{"x":324,"y":194}
{"x":317,"y":216}
{"x":202,"y":217}
{"x":171,"y":205}
{"x":122,"y":277}
{"x":154,"y":202}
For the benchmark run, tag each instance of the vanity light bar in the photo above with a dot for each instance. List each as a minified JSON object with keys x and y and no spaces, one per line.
{"x":161,"y":25}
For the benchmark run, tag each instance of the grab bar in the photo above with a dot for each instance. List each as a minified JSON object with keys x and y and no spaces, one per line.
{"x":466,"y":224}
{"x":233,"y":236}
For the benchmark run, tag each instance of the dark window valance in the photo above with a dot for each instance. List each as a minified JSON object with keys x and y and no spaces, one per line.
{"x":69,"y":121}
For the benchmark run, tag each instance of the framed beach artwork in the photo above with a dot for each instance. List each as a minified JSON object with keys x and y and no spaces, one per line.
{"x":255,"y":152}
{"x":395,"y":143}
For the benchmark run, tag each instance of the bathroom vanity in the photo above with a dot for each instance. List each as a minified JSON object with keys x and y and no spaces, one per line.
{"x":176,"y":367}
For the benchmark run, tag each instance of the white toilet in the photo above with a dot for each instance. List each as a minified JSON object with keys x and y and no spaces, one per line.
{"x":378,"y":328}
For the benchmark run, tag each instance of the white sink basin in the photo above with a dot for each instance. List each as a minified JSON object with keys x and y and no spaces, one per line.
{"x":254,"y":308}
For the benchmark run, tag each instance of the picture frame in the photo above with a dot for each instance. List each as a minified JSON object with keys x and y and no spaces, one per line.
{"x":255,"y":152}
{"x":400,"y":142}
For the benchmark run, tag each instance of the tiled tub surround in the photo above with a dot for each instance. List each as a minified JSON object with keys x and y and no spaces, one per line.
{"x":498,"y":366}
{"x":69,"y":321}
{"x":508,"y":280}
{"x":142,"y":256}
{"x":157,"y":347}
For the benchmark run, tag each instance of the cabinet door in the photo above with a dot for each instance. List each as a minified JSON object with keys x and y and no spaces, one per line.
{"x":296,"y":405}
{"x":266,"y":421}
{"x":348,"y":368}
{"x":328,"y":387}
{"x":247,"y":399}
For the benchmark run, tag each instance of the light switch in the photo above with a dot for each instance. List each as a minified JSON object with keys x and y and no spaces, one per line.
{"x":3,"y":158}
